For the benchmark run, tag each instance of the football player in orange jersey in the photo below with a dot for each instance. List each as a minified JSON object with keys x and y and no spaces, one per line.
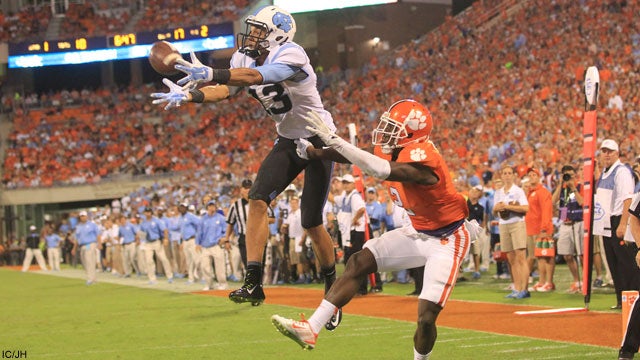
{"x":417,"y":178}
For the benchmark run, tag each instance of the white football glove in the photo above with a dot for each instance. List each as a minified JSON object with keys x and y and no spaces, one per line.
{"x":196,"y":72}
{"x":318,"y":127}
{"x":369,"y":163}
{"x":173,"y":98}
{"x":301,"y":148}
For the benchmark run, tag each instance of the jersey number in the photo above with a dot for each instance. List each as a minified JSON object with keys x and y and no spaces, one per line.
{"x":395,"y":195}
{"x":281,"y":102}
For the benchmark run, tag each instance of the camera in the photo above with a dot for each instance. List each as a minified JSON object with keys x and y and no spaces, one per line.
{"x":566,"y":177}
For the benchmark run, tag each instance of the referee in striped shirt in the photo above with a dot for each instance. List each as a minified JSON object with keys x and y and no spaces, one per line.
{"x":237,"y":216}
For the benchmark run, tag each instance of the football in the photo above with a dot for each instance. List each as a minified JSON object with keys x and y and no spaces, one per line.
{"x":163,"y":56}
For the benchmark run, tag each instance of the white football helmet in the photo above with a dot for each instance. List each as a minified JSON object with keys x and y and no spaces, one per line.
{"x":268,"y":28}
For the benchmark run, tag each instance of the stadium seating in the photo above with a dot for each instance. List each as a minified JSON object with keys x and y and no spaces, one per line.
{"x":182,"y":12}
{"x":59,"y":139}
{"x":94,"y":20}
{"x":97,"y":18}
{"x":28,"y":24}
{"x":509,"y":91}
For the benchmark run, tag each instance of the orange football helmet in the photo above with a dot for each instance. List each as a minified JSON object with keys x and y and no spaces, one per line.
{"x":406,"y":122}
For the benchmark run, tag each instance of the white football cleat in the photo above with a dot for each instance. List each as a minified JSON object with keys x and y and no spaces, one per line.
{"x":298,"y":331}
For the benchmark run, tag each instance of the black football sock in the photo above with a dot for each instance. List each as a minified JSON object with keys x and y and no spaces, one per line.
{"x":254,"y":273}
{"x":329,"y":275}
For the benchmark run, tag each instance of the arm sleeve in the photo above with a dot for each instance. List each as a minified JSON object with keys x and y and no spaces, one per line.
{"x":369,"y":163}
{"x":223,"y":227}
{"x":634,"y":209}
{"x":357,"y":203}
{"x":624,"y":183}
{"x":231,"y":218}
{"x":198,"y":234}
{"x":497,"y":197}
{"x":547,"y":213}
{"x":523,"y":198}
{"x":275,"y":73}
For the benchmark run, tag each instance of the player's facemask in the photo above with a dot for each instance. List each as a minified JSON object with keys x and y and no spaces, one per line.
{"x":253,"y":42}
{"x":388,"y":132}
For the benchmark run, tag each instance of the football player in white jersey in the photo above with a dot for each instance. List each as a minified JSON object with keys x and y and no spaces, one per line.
{"x":277,"y":72}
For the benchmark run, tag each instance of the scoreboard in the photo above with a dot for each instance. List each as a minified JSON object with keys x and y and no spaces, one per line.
{"x":175,"y":34}
{"x":119,"y":46}
{"x":46,"y":46}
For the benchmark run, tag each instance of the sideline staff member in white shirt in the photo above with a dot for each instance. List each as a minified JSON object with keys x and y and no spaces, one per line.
{"x":511,"y":204}
{"x":613,"y":197}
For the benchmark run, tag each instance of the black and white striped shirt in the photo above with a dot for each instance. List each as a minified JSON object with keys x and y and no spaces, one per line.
{"x":237,"y":215}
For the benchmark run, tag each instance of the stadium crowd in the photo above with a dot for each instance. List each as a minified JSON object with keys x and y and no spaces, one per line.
{"x":165,"y":201}
{"x":176,"y":12}
{"x":99,"y":18}
{"x":90,"y":135}
{"x":519,"y":101}
{"x":95,"y":18}
{"x":510,"y":93}
{"x":196,"y":191}
{"x":27,"y":24}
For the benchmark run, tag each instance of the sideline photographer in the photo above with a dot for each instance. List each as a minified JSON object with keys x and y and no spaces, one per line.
{"x":569,"y":200}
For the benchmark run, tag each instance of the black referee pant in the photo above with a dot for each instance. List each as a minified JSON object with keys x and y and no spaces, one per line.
{"x":621,"y":257}
{"x":242,"y":247}
{"x":631,"y":340}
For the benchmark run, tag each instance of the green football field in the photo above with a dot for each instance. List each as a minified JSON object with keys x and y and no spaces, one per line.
{"x":59,"y":317}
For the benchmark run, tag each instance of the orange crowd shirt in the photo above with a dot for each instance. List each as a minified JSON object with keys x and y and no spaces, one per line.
{"x":539,"y":216}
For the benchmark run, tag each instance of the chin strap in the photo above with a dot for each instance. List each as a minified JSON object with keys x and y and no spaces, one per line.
{"x":252,"y":53}
{"x":386,"y":149}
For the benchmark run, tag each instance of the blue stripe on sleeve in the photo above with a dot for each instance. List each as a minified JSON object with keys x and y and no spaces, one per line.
{"x":275,"y":73}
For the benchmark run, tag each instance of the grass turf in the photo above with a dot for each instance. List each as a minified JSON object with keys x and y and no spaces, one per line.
{"x":61,"y":318}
